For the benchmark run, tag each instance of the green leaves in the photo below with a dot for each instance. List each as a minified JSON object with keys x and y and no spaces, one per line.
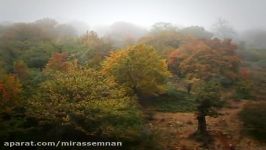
{"x":88,"y":101}
{"x":254,"y":119}
{"x":208,"y":97}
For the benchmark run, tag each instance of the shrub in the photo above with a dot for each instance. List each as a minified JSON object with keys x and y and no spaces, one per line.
{"x":243,"y":89}
{"x":254,"y":120}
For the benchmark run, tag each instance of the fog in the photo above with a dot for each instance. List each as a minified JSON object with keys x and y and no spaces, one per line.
{"x":242,"y":14}
{"x":240,"y":20}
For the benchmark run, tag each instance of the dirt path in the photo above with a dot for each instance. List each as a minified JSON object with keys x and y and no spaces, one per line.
{"x":173,"y":130}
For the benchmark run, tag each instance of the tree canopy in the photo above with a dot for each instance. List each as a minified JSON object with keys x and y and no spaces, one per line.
{"x":87,"y":101}
{"x":206,"y":59}
{"x":138,"y":67}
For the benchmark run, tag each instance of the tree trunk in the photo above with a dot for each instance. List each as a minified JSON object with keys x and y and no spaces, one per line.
{"x":189,"y":86}
{"x":202,"y":127}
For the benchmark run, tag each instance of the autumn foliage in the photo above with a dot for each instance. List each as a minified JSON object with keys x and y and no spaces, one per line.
{"x":88,"y":102}
{"x":21,"y":70}
{"x":10,"y":88}
{"x":58,"y":62}
{"x":55,"y":84}
{"x":206,"y":59}
{"x":138,"y":67}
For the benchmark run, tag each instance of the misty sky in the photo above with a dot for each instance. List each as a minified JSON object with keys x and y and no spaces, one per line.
{"x":242,"y":14}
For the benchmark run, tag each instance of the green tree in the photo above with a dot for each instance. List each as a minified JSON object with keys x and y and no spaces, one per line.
{"x":95,"y":49}
{"x":197,"y":32}
{"x":21,"y":70}
{"x":163,"y":26}
{"x":34,"y":42}
{"x":164,"y":37}
{"x":88,"y":102}
{"x":138,"y":67}
{"x":208,"y":98}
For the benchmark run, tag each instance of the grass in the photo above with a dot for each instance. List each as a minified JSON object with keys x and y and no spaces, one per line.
{"x":177,"y":101}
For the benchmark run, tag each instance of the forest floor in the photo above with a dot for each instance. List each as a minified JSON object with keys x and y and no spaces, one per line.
{"x":173,"y":130}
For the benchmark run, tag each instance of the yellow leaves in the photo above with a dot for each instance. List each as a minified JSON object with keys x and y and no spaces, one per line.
{"x":139,"y":68}
{"x":78,"y":86}
{"x":82,"y":96}
{"x":112,"y":60}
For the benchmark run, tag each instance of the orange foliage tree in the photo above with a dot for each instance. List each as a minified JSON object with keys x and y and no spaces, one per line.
{"x":10,"y":88}
{"x":206,"y":59}
{"x":58,"y":62}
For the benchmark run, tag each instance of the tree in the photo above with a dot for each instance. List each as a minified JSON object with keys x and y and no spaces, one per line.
{"x":88,"y":102}
{"x":21,"y":70}
{"x":34,"y":42}
{"x":244,"y":84}
{"x":91,"y":40}
{"x":223,"y":30}
{"x":163,"y":26}
{"x":123,"y":34}
{"x":206,"y":59}
{"x":10,"y":88}
{"x":196,"y":32}
{"x":58,"y":62}
{"x":138,"y":67}
{"x":207,"y":62}
{"x":95,"y":49}
{"x":164,"y":38}
{"x":208,"y":98}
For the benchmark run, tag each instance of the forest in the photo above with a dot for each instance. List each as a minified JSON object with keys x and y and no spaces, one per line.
{"x":165,"y":87}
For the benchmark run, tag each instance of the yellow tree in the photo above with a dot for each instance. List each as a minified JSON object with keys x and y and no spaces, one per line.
{"x":87,"y":101}
{"x":138,"y":67}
